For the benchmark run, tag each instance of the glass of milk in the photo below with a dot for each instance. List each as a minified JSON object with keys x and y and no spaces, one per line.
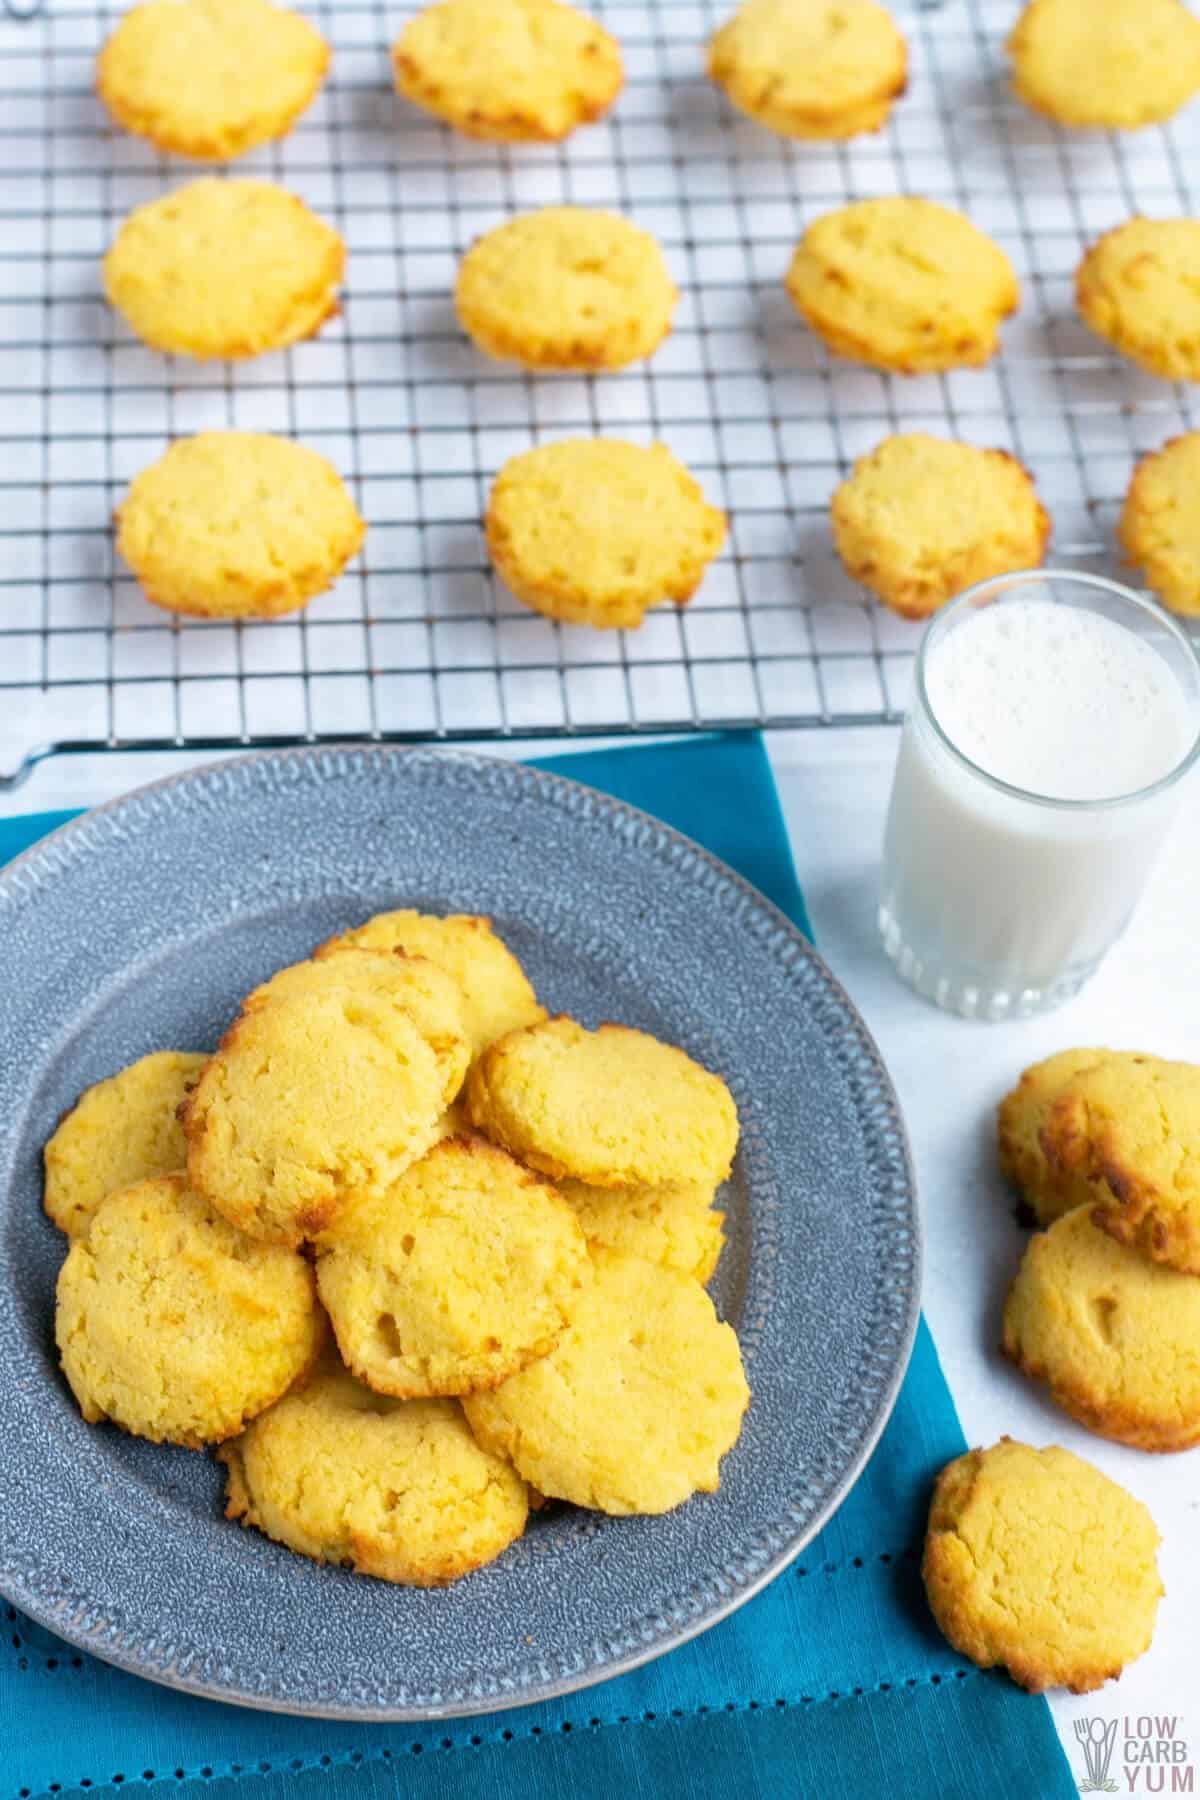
{"x":1053,"y":719}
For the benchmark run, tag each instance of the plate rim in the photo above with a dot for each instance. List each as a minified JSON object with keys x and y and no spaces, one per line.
{"x":14,"y":1589}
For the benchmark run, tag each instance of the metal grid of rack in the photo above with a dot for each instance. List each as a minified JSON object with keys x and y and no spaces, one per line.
{"x":419,"y":639}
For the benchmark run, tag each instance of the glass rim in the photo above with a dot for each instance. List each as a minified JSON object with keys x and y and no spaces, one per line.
{"x":1140,"y":602}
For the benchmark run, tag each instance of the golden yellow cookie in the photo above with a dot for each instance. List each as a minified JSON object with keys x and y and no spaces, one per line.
{"x":456,"y":1277}
{"x":612,"y":1107}
{"x":224,"y":269}
{"x":566,"y":288}
{"x":1138,"y":287}
{"x":210,"y":78}
{"x":514,"y":71}
{"x":634,"y":1409}
{"x":921,"y":518}
{"x":417,"y":987}
{"x":118,"y":1132}
{"x":235,"y":524}
{"x":398,"y":1489}
{"x":1048,"y":1190}
{"x":1116,"y":1338}
{"x":676,"y":1225}
{"x":903,"y":283}
{"x":811,"y":68}
{"x":1037,"y":1561}
{"x":307,"y":1103}
{"x":1130,"y":1128}
{"x":1159,"y":528}
{"x":496,"y":992}
{"x":174,"y":1325}
{"x":596,"y":531}
{"x":1123,"y":63}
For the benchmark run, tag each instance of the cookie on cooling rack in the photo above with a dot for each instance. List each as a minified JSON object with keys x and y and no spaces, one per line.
{"x":1138,"y":287}
{"x":398,"y":1489}
{"x":224,"y":269}
{"x":1157,"y":525}
{"x":513,"y":71}
{"x":920,"y":518}
{"x":120,"y":1131}
{"x":238,"y":525}
{"x":566,"y":288}
{"x":174,"y":1325}
{"x":210,"y":78}
{"x":676,"y":1224}
{"x":1120,"y":65}
{"x":1036,"y":1561}
{"x":811,"y":68}
{"x":595,"y":531}
{"x":903,"y":283}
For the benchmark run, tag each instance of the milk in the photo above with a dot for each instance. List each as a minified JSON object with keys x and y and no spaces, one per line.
{"x":997,"y":901}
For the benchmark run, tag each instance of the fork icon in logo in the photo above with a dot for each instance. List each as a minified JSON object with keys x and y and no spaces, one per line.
{"x":1097,"y":1738}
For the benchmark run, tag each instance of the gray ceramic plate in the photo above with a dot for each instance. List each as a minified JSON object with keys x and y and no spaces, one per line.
{"x":140,"y":925}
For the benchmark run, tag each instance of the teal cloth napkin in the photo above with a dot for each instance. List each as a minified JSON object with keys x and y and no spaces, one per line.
{"x":833,"y":1682}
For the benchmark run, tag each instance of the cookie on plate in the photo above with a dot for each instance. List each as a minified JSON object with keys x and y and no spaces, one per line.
{"x":612,"y":1107}
{"x":811,"y":68}
{"x":454,"y":1278}
{"x":903,"y":283}
{"x":513,"y":71}
{"x":1047,"y":1189}
{"x":1038,"y":1562}
{"x":210,"y":78}
{"x":1115,"y":1337}
{"x":920,"y":518}
{"x":1124,"y":64}
{"x":173,"y":1325}
{"x":1138,"y":287}
{"x":1157,"y":529}
{"x":224,"y":269}
{"x":676,"y":1225}
{"x":568,"y":287}
{"x":281,"y":1149}
{"x":497,"y":995}
{"x":635,"y":1407}
{"x":398,"y":1489}
{"x":595,"y":531}
{"x":120,"y":1131}
{"x":237,"y":525}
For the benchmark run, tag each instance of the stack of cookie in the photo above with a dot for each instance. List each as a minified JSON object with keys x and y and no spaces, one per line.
{"x":506,"y":1219}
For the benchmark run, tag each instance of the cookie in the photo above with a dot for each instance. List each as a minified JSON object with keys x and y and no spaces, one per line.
{"x":237,"y":525}
{"x":173,"y":1325}
{"x":1158,"y":530}
{"x":417,"y":987}
{"x":676,"y":1225}
{"x":1115,"y":1337}
{"x":118,"y":1132}
{"x":635,"y":1407}
{"x":1124,"y":64}
{"x":1130,"y":1128}
{"x":224,"y":269}
{"x":398,"y":1489}
{"x":811,"y":68}
{"x":279,"y":1147}
{"x":1138,"y":287}
{"x":497,"y":996}
{"x":921,"y":518}
{"x":566,"y":288}
{"x":512,"y":71}
{"x":456,"y":1277}
{"x":1047,"y":1189}
{"x":1038,"y":1562}
{"x":903,"y":283}
{"x":595,"y":531}
{"x":210,"y":78}
{"x":612,"y":1107}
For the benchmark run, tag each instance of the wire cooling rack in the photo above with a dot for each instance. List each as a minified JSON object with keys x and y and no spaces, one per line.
{"x":419,"y":639}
